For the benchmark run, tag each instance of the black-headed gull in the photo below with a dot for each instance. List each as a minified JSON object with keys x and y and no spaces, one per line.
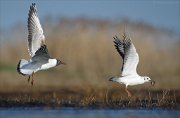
{"x":40,"y":59}
{"x":130,"y":58}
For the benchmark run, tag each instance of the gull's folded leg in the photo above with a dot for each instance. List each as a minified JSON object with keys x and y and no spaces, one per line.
{"x":129,"y":94}
{"x":32,"y":80}
{"x":29,"y":78}
{"x":43,"y":42}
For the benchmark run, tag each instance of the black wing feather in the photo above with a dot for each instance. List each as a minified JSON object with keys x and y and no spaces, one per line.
{"x":42,"y":50}
{"x":119,"y":45}
{"x":122,"y":46}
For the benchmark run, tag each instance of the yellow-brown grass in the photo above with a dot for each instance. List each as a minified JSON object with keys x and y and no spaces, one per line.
{"x":87,"y":48}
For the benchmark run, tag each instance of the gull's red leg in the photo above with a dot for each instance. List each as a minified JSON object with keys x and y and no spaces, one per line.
{"x":129,"y":94}
{"x":29,"y":78}
{"x":32,"y":80}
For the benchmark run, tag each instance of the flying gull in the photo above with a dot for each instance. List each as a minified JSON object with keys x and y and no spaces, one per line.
{"x":130,"y":58}
{"x":40,"y":59}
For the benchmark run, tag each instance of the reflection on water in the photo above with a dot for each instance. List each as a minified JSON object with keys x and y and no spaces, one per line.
{"x":86,"y":113}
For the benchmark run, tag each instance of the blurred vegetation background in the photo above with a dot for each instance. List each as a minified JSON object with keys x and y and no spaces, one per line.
{"x":86,"y":45}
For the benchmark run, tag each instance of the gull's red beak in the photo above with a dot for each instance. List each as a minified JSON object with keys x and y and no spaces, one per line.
{"x":63,"y":63}
{"x":60,"y":62}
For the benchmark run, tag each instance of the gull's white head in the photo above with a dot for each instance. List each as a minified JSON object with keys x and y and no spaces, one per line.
{"x":148,"y":79}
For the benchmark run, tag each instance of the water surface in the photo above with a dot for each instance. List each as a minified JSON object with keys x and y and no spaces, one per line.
{"x":37,"y":112}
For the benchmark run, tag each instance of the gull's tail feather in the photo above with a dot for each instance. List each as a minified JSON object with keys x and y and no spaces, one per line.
{"x":21,"y":63}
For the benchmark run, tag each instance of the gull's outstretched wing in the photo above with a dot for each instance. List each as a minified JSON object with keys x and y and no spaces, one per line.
{"x":36,"y":36}
{"x":128,"y":53}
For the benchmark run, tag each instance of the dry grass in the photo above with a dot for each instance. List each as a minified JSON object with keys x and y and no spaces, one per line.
{"x":92,"y":99}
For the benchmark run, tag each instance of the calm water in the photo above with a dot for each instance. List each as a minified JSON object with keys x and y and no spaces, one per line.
{"x":86,"y":113}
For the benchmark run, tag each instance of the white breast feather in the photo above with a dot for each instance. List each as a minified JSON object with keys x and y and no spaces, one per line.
{"x":51,"y":63}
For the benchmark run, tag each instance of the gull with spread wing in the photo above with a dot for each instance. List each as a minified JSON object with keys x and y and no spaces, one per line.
{"x":130,"y":58}
{"x":40,"y":59}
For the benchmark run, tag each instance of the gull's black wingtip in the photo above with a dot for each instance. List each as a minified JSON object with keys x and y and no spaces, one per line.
{"x":115,"y":37}
{"x":33,"y":7}
{"x":33,"y":4}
